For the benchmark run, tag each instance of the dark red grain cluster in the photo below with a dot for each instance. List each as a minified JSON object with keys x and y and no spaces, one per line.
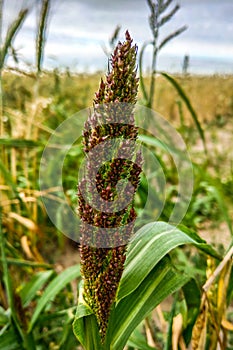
{"x":110,"y":135}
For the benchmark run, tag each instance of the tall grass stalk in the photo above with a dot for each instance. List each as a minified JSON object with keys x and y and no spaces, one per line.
{"x":41,"y":33}
{"x":27,"y":339}
{"x":12,"y":31}
{"x":1,"y":102}
{"x":158,"y":18}
{"x":35,"y":112}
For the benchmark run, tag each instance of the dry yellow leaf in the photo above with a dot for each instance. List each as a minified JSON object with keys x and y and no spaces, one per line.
{"x":199,"y":329}
{"x":227,"y":324}
{"x":26,"y":248}
{"x":29,"y":224}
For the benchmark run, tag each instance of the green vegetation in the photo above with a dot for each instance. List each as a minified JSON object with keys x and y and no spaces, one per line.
{"x":176,"y":289}
{"x":33,"y":249}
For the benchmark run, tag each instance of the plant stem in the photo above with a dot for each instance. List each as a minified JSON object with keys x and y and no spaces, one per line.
{"x":7,"y":279}
{"x":1,"y":102}
{"x":153,"y":74}
{"x":218,"y":270}
{"x":156,"y":20}
{"x":41,"y":34}
{"x":26,"y":339}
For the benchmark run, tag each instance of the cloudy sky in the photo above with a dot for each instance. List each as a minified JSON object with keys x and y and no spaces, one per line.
{"x":78,"y":30}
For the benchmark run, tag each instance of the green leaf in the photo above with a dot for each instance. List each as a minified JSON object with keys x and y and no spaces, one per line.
{"x":4,"y":318}
{"x":86,"y":329}
{"x":85,"y":325}
{"x":10,"y":142}
{"x":230,"y":289}
{"x":168,"y":344}
{"x":138,"y":341}
{"x":168,"y":147}
{"x":9,"y":180}
{"x":192,"y":296}
{"x":216,"y":190}
{"x":21,"y":262}
{"x":200,"y":243}
{"x":153,"y":141}
{"x":57,"y":284}
{"x":131,"y":310}
{"x":10,"y":341}
{"x":187,"y":101}
{"x":64,"y":314}
{"x":28,"y":292}
{"x":8,"y":280}
{"x":149,"y":245}
{"x":68,"y":340}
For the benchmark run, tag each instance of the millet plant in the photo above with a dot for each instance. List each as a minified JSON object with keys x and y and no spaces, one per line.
{"x":124,"y":276}
{"x":102,"y":264}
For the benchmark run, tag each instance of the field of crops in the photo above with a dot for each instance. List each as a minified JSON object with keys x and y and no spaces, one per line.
{"x":116,"y":201}
{"x":34,"y":249}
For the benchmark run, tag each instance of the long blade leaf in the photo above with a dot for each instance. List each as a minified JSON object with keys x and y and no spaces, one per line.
{"x":11,"y":142}
{"x":138,"y":341}
{"x":10,"y":341}
{"x":57,"y":284}
{"x":187,"y":101}
{"x":130,"y":311}
{"x":28,"y":292}
{"x":151,"y":243}
{"x":86,"y":329}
